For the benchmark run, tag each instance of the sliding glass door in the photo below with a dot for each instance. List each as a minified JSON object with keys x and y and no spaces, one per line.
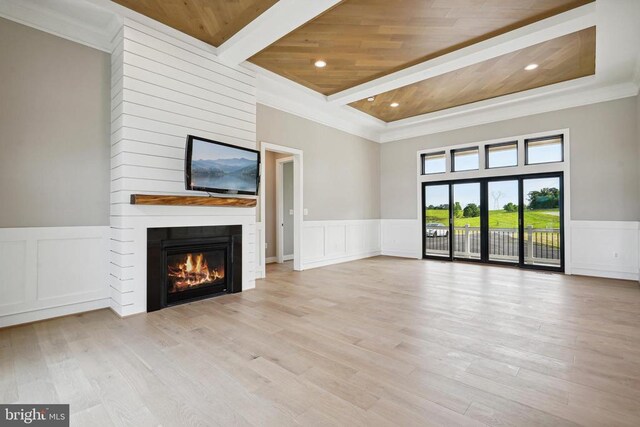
{"x":466,"y":220}
{"x":437,"y":224}
{"x":515,"y":220}
{"x":542,"y":221}
{"x":504,"y":220}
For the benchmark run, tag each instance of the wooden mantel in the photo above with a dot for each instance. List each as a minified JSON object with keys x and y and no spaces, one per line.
{"x":166,"y":200}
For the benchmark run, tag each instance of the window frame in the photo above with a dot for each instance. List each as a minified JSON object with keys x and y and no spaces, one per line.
{"x":488,"y":147}
{"x":543,"y":138}
{"x":462,"y":150}
{"x":423,"y":157}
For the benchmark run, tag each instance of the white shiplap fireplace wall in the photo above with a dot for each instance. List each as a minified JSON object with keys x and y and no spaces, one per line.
{"x":162,"y":90}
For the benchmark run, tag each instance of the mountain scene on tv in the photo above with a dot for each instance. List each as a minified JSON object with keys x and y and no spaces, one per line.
{"x":221,"y":167}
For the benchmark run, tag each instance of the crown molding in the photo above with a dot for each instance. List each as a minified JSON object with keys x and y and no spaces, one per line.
{"x":75,"y":28}
{"x":536,"y":101}
{"x":280,"y":93}
{"x":124,"y":13}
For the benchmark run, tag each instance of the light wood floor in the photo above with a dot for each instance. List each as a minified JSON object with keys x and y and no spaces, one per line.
{"x":381,"y":341}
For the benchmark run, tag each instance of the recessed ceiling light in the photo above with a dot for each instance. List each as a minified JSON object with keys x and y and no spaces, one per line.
{"x":371,"y":99}
{"x":394,"y":104}
{"x":531,"y":67}
{"x":320,"y":63}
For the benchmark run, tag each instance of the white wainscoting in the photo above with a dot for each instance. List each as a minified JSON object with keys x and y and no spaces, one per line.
{"x":401,"y":238}
{"x":332,"y":242}
{"x":164,"y":89}
{"x":597,"y":248}
{"x":52,"y":271}
{"x":605,"y":249}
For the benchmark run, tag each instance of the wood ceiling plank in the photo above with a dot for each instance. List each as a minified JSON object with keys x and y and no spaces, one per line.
{"x":561,"y":59}
{"x":365,"y":39}
{"x":212,"y":21}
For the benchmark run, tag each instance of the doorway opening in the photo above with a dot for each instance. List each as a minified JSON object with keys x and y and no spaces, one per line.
{"x":280,"y":213}
{"x":285,"y":214}
{"x":515,"y":220}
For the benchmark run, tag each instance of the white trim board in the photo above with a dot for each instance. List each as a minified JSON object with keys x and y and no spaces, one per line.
{"x":48,"y":272}
{"x":276,"y":22}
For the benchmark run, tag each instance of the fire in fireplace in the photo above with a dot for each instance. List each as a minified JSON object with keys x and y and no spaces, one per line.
{"x":193,"y":270}
{"x":190,"y":263}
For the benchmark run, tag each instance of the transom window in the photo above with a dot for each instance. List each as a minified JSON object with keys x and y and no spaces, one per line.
{"x":502,"y":155}
{"x":434,"y":163}
{"x":465,"y":159}
{"x":544,"y":150}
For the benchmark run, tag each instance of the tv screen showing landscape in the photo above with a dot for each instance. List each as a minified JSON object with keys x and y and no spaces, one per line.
{"x":221,"y":168}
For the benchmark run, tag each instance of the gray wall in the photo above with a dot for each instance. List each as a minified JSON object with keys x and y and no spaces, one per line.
{"x":269,"y":187}
{"x":54,"y":130}
{"x":605,"y":182}
{"x":287,"y":202}
{"x":341,"y":171}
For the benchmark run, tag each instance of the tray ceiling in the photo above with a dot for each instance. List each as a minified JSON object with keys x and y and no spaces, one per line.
{"x":368,"y":46}
{"x":361,"y":40}
{"x":561,"y":59}
{"x":213,"y":22}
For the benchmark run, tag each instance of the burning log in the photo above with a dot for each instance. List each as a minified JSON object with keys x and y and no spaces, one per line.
{"x":194,"y":271}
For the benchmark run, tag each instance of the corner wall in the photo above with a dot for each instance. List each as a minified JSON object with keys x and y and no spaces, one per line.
{"x":54,"y":169}
{"x":341,"y":187}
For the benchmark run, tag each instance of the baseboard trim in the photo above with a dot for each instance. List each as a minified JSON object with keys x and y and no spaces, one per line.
{"x":53,"y":312}
{"x":338,"y":260}
{"x":270,"y":260}
{"x":288,"y":257}
{"x":400,"y":254}
{"x":605,"y":274}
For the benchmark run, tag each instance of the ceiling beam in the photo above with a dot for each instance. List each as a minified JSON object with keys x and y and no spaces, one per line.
{"x":538,"y":32}
{"x":278,"y":21}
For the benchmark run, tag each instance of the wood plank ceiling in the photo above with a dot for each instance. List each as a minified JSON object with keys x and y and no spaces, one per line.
{"x":365,"y":39}
{"x":561,"y":59}
{"x":361,"y":40}
{"x":212,"y":21}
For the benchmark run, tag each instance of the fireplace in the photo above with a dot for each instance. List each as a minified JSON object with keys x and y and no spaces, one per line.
{"x":190,"y":263}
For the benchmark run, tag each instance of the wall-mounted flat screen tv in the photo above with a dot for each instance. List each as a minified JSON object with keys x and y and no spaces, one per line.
{"x":215,"y":167}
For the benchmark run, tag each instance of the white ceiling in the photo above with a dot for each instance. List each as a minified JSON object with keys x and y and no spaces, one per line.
{"x":95,"y":22}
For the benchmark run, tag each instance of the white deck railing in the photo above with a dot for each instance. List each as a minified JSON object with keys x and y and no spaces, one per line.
{"x":542,"y":245}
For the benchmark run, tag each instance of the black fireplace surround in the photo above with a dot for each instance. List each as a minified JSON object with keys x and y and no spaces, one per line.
{"x":190,"y":263}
